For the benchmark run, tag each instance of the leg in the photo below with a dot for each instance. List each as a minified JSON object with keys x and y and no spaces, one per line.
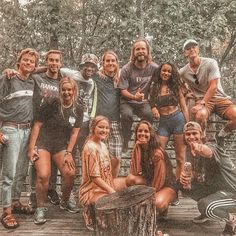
{"x":230,"y":115}
{"x":218,"y":205}
{"x":10,"y":154}
{"x":126,"y":122}
{"x":163,"y":198}
{"x":163,"y":141}
{"x":144,"y":112}
{"x":135,"y":180}
{"x":115,"y":147}
{"x":83,"y":134}
{"x":22,"y":165}
{"x":179,"y":153}
{"x":120,"y":183}
{"x":67,"y":173}
{"x":43,"y":170}
{"x":201,"y":117}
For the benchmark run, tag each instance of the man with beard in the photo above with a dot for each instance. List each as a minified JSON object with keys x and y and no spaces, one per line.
{"x":135,"y":81}
{"x":212,"y":182}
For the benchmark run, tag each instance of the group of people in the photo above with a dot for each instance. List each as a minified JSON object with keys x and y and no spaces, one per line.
{"x":47,"y":112}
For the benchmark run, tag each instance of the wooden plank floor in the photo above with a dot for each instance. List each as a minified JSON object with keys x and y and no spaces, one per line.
{"x":60,"y":222}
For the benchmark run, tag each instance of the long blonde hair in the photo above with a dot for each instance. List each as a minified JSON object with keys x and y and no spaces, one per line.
{"x":75,"y":90}
{"x":116,"y":77}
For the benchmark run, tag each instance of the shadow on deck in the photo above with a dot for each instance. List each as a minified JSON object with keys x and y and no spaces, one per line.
{"x":60,"y":222}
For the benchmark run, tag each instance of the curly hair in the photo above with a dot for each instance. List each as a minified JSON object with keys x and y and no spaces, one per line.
{"x":174,"y":83}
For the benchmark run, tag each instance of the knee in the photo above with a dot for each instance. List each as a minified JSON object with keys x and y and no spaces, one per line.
{"x":201,"y":116}
{"x":43,"y":178}
{"x":202,"y":206}
{"x":161,"y":203}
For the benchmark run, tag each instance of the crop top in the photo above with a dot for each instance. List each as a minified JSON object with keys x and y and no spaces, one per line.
{"x":166,"y":100}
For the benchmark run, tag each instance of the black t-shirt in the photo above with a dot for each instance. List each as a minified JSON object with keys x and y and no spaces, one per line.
{"x":58,"y":121}
{"x":45,"y":87}
{"x":108,"y":98}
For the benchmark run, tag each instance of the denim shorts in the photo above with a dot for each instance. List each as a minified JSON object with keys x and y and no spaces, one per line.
{"x":171,"y":124}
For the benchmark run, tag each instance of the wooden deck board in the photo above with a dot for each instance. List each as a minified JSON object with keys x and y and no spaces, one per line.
{"x":179,"y":223}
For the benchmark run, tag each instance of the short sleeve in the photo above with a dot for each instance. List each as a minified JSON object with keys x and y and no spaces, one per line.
{"x":124,"y":78}
{"x":214,"y":71}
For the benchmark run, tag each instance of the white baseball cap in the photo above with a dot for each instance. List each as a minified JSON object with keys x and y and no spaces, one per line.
{"x":188,"y":43}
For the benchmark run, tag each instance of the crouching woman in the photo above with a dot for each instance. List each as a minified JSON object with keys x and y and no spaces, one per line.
{"x":150,"y":166}
{"x":97,"y":180}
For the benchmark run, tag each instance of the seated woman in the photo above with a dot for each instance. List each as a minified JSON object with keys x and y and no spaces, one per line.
{"x":54,"y":134}
{"x":151,"y":166}
{"x":97,"y":180}
{"x":168,"y":104}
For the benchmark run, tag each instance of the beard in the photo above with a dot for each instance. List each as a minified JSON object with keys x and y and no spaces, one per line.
{"x":141,"y":58}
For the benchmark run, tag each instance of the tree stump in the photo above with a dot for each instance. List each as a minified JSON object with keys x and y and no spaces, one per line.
{"x":129,"y":212}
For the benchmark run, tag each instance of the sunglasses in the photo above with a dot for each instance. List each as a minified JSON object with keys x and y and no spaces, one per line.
{"x":196,"y":79}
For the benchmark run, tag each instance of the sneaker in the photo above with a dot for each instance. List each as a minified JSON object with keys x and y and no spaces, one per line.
{"x":175,"y":202}
{"x":228,"y":231}
{"x":33,"y":200}
{"x":69,"y":206}
{"x":200,"y":219}
{"x":39,"y":215}
{"x":53,"y":197}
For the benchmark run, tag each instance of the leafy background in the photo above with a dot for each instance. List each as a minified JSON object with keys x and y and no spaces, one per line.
{"x":80,"y":26}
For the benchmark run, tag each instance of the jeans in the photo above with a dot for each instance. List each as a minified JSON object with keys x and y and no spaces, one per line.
{"x":14,"y":163}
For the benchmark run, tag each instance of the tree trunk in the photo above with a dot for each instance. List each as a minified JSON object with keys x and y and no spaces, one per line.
{"x":127,"y":212}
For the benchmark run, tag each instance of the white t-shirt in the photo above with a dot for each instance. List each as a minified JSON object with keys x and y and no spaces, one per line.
{"x":208,"y":70}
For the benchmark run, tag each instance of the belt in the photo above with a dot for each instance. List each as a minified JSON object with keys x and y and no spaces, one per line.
{"x":17,"y":125}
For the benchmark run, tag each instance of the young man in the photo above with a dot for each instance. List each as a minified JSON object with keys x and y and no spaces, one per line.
{"x":213,"y":180}
{"x":203,"y":77}
{"x":46,"y":87}
{"x":135,"y":81}
{"x":16,"y":114}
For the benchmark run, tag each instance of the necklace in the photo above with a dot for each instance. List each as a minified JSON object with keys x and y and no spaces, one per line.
{"x":67,"y":106}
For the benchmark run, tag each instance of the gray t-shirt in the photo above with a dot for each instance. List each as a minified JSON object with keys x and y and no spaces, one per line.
{"x":208,"y":70}
{"x":133,"y":78}
{"x":16,"y":99}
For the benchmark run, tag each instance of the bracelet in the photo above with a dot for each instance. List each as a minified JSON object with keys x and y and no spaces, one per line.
{"x":68,"y":152}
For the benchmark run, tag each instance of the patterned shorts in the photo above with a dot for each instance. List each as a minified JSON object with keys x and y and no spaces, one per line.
{"x":115,"y":140}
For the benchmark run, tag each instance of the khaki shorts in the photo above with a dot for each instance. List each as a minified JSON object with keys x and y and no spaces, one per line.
{"x":218,"y":106}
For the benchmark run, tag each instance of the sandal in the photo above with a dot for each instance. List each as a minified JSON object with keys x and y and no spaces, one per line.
{"x":19,"y":208}
{"x":9,"y":221}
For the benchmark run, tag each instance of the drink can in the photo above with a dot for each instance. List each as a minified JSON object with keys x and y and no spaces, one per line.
{"x":188,"y":172}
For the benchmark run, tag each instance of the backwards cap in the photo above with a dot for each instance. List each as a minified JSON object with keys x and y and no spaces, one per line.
{"x":191,"y":125}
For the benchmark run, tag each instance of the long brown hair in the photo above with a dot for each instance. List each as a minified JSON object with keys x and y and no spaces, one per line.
{"x":116,"y":77}
{"x":132,"y":57}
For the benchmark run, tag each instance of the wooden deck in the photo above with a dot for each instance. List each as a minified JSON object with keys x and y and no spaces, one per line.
{"x":60,"y":222}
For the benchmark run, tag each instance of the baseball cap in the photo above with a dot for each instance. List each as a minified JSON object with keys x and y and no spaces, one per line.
{"x":192,"y":125}
{"x":89,"y":58}
{"x":188,"y":43}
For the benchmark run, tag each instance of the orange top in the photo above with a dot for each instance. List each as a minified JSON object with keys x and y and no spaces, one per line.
{"x":95,"y":163}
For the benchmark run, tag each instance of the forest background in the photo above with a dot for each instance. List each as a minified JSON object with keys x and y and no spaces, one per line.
{"x":79,"y":26}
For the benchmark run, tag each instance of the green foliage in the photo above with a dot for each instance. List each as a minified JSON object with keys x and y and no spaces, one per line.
{"x":80,"y":26}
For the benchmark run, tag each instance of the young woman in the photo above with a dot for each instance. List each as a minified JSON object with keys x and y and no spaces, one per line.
{"x":97,"y":180}
{"x":168,"y":104}
{"x":151,"y":166}
{"x":54,"y":134}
